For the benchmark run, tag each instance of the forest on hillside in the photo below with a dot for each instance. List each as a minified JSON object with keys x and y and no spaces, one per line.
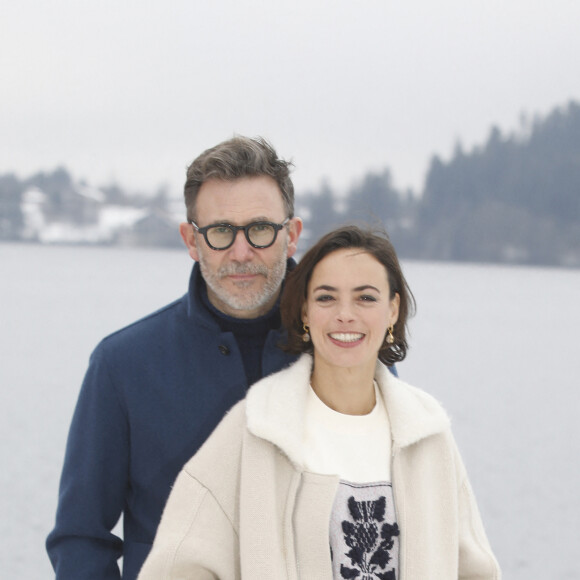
{"x":513,"y":199}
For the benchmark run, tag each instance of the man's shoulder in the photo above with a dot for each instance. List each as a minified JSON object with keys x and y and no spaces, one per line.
{"x":150,"y":325}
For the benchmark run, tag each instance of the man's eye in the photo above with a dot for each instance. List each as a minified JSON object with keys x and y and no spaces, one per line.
{"x":260,"y":228}
{"x":221,"y":230}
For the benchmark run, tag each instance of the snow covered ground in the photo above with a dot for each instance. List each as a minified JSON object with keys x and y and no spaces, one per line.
{"x":496,"y":345}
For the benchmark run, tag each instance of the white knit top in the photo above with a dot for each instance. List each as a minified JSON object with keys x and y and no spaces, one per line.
{"x":357,"y":448}
{"x":363,"y":532}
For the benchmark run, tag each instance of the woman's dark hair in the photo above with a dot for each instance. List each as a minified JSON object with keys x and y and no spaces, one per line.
{"x":375,"y":243}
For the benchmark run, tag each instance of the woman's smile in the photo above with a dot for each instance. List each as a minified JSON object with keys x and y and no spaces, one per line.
{"x":347,"y":338}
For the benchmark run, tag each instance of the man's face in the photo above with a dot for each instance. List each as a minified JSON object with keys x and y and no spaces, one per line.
{"x":242,"y":281}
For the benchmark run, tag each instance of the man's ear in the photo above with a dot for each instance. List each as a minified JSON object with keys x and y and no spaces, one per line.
{"x":294,"y":231}
{"x":188,"y":235}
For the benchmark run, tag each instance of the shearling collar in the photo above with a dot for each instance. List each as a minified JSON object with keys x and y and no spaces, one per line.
{"x":275,"y":408}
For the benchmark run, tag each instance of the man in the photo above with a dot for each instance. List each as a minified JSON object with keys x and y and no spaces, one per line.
{"x":156,"y":389}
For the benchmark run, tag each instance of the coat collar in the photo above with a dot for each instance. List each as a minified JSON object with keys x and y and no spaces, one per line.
{"x":275,"y":408}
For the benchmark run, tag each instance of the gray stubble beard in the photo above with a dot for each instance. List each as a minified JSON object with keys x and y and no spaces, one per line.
{"x":252,"y":300}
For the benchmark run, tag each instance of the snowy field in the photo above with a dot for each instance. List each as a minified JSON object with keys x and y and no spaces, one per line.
{"x":496,"y":345}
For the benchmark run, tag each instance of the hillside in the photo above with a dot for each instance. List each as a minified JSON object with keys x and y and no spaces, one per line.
{"x":514,"y":199}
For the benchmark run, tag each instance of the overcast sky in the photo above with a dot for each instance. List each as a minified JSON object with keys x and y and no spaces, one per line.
{"x":133,"y":90}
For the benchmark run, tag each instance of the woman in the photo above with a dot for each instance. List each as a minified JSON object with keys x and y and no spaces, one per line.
{"x":331,"y":468}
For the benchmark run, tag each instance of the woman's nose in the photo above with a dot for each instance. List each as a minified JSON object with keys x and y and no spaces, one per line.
{"x":345,"y":313}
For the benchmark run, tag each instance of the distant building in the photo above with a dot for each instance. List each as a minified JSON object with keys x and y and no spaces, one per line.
{"x":155,"y":228}
{"x":32,"y":207}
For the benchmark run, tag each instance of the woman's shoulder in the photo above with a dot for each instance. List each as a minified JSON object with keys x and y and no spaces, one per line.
{"x":399,"y":385}
{"x":414,"y":413}
{"x":216,"y":466}
{"x":222,"y":449}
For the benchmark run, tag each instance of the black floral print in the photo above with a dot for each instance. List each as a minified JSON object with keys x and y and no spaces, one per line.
{"x":370,"y":540}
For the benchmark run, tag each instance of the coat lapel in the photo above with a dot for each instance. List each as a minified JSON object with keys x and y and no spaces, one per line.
{"x":275,"y":408}
{"x":413,"y":413}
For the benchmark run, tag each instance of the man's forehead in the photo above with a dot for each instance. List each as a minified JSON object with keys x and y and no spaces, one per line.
{"x":238,"y":220}
{"x":239,"y":202}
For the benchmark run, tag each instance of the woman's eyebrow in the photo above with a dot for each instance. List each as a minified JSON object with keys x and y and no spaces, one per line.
{"x":328,"y":288}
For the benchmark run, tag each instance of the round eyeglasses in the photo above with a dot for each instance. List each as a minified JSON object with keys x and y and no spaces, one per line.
{"x":221,"y":236}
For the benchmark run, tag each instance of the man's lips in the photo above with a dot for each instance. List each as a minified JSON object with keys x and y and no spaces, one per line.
{"x":242,"y":278}
{"x":248,"y":273}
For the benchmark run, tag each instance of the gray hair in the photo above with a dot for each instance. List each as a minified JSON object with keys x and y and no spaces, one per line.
{"x":236,"y":158}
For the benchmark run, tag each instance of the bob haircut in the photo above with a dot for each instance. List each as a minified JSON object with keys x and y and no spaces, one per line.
{"x":375,"y":243}
{"x":236,"y":158}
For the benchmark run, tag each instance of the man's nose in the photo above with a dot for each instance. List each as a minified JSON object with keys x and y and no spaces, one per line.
{"x":240,"y":250}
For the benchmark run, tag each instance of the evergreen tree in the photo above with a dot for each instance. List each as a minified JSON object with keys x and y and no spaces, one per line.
{"x":11,"y":218}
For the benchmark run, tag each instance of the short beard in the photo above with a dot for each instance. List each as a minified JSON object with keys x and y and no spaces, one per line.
{"x":252,"y":300}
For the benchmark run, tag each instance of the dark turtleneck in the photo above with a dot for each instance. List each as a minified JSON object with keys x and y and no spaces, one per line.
{"x":250,"y":334}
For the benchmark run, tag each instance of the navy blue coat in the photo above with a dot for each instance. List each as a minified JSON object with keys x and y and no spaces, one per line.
{"x":152,"y":394}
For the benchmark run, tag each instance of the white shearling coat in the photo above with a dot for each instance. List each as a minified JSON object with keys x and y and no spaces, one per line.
{"x":244,"y":507}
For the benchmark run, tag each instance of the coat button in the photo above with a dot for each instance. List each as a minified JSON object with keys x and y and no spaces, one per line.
{"x":224,"y":349}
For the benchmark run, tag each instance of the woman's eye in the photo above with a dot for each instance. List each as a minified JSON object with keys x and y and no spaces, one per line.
{"x":324,"y":298}
{"x":367,"y":298}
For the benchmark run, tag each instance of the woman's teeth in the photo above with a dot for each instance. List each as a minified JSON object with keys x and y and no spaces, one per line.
{"x":346,"y":336}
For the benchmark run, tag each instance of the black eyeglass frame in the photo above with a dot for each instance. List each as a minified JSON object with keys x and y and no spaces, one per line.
{"x":236,"y":229}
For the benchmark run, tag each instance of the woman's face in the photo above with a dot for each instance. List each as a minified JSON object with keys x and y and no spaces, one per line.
{"x":348,"y":309}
